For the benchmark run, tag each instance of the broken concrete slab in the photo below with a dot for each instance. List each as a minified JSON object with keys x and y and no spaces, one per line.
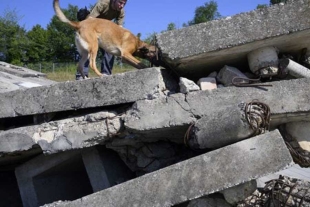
{"x":197,"y":50}
{"x":111,"y":90}
{"x":10,"y":81}
{"x":62,"y":135}
{"x":171,"y":117}
{"x":19,"y":71}
{"x":196,"y":177}
{"x":160,"y":118}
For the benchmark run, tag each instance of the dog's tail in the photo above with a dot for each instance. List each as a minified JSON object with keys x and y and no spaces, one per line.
{"x":62,"y":16}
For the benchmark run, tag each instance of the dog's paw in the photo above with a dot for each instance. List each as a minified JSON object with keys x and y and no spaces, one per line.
{"x":103,"y":75}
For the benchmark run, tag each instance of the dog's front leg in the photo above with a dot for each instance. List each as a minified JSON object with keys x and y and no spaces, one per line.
{"x":131,"y":60}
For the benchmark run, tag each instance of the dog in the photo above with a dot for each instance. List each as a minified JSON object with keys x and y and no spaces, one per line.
{"x":93,"y":33}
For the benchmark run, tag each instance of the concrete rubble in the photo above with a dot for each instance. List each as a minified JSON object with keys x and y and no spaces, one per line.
{"x":225,"y":112}
{"x":198,"y":176}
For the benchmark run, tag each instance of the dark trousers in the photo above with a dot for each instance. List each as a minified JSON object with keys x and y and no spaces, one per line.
{"x":107,"y":63}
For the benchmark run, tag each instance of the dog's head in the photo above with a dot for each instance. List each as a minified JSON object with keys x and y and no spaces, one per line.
{"x":82,"y":14}
{"x":150,"y":53}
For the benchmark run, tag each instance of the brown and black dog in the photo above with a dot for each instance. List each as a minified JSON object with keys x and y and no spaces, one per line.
{"x":93,"y":33}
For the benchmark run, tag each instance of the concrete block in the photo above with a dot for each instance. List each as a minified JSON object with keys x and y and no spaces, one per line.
{"x":62,"y":135}
{"x":219,"y":128}
{"x":160,"y":118}
{"x":196,"y":177}
{"x":197,"y":50}
{"x":170,"y":118}
{"x":72,"y":95}
{"x":208,"y":83}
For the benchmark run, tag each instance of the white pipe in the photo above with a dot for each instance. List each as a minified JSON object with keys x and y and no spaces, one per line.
{"x":294,"y":68}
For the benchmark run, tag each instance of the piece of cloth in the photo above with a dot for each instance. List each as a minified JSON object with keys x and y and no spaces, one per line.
{"x":103,"y":9}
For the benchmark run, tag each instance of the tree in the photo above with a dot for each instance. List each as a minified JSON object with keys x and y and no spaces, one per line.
{"x":150,"y":38}
{"x":37,"y":44}
{"x":13,"y":40}
{"x":277,"y":1}
{"x":61,"y":37}
{"x":205,"y":13}
{"x":171,"y":26}
{"x":261,"y":6}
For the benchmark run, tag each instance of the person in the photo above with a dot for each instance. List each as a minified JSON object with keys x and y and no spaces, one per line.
{"x":111,"y":10}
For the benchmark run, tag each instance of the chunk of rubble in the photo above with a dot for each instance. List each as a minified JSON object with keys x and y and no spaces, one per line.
{"x":227,"y":74}
{"x":208,"y":83}
{"x":187,"y":85}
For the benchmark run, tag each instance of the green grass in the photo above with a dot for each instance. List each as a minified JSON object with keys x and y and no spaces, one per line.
{"x":68,"y":73}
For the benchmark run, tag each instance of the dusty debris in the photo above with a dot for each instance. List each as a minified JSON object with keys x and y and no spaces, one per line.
{"x":284,"y":192}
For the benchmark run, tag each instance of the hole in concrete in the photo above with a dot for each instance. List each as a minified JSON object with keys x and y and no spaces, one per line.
{"x":66,"y":181}
{"x":9,"y":192}
{"x":117,"y":174}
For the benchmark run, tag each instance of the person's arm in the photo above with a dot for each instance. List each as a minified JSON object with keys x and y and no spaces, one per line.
{"x":120,"y":19}
{"x":98,"y":9}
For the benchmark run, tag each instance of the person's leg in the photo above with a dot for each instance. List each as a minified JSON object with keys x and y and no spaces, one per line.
{"x":107,"y":63}
{"x":78,"y":75}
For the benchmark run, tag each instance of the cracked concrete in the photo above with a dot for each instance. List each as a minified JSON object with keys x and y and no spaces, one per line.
{"x":196,"y":177}
{"x":63,"y":135}
{"x":97,"y":92}
{"x":198,"y":50}
{"x":170,"y":117}
{"x":142,"y":116}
